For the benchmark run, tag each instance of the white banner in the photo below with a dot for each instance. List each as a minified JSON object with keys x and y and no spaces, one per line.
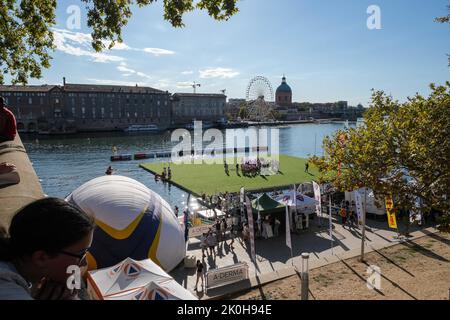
{"x":199,"y":230}
{"x":330,"y":221}
{"x":295,"y":205}
{"x":288,"y":229}
{"x":227,"y":275}
{"x":251,"y":228}
{"x":241,"y":194}
{"x":318,"y":199}
{"x":359,"y":205}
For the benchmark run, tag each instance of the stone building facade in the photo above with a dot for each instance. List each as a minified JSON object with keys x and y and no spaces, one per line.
{"x":53,"y":109}
{"x":187,"y":107}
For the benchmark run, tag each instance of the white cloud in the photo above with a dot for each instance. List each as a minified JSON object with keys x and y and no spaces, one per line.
{"x":181,"y":85}
{"x":126,"y":71}
{"x":79,"y":44}
{"x":77,"y":37}
{"x":141,"y":74}
{"x":187,"y":72}
{"x":119,"y":82}
{"x":121,"y":46}
{"x":158,"y":51}
{"x":162,"y":84}
{"x":69,"y":42}
{"x":223,"y":73}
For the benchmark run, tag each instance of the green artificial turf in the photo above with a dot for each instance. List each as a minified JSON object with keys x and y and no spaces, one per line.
{"x":211,"y":178}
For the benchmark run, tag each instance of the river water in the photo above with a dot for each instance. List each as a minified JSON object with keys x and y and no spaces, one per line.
{"x":64,"y":163}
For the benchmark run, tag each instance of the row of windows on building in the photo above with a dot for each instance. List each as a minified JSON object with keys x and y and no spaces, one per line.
{"x":113,"y":96}
{"x":24,"y":94}
{"x":85,"y":95}
{"x":82,"y":101}
{"x":102,"y":113}
{"x":202,"y":104}
{"x":94,"y":101}
{"x":193,"y":111}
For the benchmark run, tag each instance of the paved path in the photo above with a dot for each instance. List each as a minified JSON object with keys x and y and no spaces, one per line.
{"x":274,"y":257}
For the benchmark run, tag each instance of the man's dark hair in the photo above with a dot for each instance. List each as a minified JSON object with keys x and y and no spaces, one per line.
{"x":2,"y":101}
{"x":49,"y":224}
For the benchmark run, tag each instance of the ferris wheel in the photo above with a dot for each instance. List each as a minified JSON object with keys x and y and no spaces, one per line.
{"x":259,"y":88}
{"x":259,"y":96}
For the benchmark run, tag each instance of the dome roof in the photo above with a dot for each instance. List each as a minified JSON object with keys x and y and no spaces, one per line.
{"x":284,"y":87}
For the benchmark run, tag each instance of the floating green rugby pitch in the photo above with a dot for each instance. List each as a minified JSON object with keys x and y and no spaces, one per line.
{"x":211,"y":178}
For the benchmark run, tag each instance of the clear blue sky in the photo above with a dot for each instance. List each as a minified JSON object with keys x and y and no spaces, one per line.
{"x":323,"y":47}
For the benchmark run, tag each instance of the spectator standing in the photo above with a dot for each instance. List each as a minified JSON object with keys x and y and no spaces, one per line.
{"x":8,"y":126}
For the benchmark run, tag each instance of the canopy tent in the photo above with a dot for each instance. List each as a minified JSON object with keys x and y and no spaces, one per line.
{"x":266,"y":205}
{"x":135,"y":280}
{"x":168,"y":290}
{"x":305,"y":204}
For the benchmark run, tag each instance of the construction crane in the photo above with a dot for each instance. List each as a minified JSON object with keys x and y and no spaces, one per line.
{"x":195,"y":85}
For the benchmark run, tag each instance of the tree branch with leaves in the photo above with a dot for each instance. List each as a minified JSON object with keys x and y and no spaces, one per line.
{"x":26,"y":36}
{"x":402,"y":150}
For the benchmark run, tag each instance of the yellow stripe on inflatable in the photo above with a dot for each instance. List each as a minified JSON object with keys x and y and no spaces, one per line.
{"x":91,"y":262}
{"x":121,"y":234}
{"x":154,"y":248}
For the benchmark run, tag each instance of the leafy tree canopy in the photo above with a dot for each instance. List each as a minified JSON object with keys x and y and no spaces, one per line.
{"x":26,"y":37}
{"x":402,"y":150}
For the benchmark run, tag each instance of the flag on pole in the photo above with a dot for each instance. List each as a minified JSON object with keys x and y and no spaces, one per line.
{"x":392,"y":220}
{"x":359,"y":205}
{"x":251,"y":228}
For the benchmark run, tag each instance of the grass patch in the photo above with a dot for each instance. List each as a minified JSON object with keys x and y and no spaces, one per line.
{"x":211,"y":178}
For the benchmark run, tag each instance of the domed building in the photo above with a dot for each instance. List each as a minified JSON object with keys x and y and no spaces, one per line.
{"x":284,"y":94}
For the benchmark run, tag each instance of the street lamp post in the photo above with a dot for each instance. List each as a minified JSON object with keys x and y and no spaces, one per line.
{"x":305,"y":276}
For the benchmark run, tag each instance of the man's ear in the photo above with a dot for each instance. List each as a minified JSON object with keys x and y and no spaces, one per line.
{"x":40,"y":258}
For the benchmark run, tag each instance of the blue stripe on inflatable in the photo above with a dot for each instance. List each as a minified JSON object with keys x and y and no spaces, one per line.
{"x":109,"y":251}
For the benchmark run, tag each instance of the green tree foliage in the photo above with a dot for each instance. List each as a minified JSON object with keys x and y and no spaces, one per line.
{"x":243,"y":112}
{"x":26,"y":37}
{"x":403,"y":150}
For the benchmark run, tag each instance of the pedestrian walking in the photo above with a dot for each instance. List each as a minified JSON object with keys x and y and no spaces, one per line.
{"x":218,"y":233}
{"x":232,"y":235}
{"x":276,"y":227}
{"x":200,"y":274}
{"x":224,"y":228}
{"x":246,"y":234}
{"x":307,"y":167}
{"x":351,"y":218}
{"x":343,"y":214}
{"x":203,"y":244}
{"x":211,"y":242}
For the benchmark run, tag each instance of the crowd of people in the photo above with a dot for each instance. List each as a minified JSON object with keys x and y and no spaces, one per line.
{"x":258,"y":166}
{"x":253,"y":167}
{"x":166,"y":175}
{"x":348,"y":214}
